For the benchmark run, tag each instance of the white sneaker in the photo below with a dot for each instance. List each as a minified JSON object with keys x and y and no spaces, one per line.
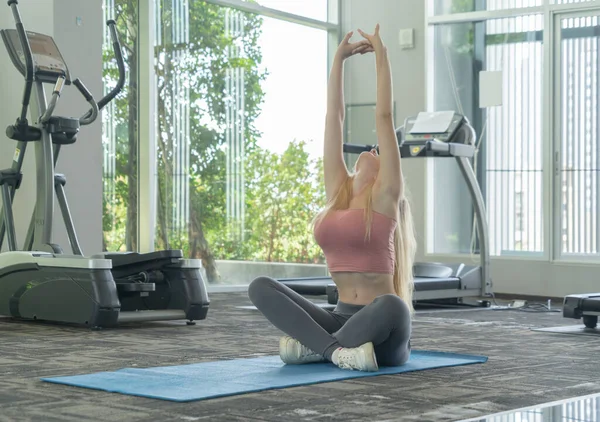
{"x":361,"y":358}
{"x":292,"y":352}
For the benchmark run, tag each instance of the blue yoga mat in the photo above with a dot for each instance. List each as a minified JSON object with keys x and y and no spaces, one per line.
{"x":230,"y":377}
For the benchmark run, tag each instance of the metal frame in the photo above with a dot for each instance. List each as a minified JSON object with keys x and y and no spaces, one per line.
{"x":43,"y":220}
{"x":551,"y":95}
{"x":484,"y":15}
{"x":146,"y":224}
{"x":250,"y":7}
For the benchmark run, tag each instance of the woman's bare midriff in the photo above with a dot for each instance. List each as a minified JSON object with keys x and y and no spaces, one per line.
{"x":362,"y":288}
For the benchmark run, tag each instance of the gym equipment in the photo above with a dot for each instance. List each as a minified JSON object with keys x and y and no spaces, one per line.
{"x":206,"y":380}
{"x":434,"y":282}
{"x":583,"y":306}
{"x":40,"y":282}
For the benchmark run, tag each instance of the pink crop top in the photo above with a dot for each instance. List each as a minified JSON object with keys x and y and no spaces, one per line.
{"x":341,"y":236}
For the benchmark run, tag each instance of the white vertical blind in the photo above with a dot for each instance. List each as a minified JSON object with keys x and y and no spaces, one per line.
{"x":579,"y":137}
{"x":235,"y":129}
{"x":513,"y":136}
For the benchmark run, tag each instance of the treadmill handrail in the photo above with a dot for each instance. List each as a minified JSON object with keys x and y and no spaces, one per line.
{"x":480,"y":214}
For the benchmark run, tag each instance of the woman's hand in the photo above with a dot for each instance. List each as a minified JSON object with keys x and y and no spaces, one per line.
{"x":347,"y":49}
{"x":374,"y":40}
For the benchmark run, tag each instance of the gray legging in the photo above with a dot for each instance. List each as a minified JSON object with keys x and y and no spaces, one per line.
{"x":385,"y":322}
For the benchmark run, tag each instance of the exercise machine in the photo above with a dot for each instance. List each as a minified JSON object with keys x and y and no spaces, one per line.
{"x":434,"y":282}
{"x":583,"y":306}
{"x":40,"y":282}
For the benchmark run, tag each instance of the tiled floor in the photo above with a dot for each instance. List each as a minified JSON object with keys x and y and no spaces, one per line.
{"x":525,"y":368}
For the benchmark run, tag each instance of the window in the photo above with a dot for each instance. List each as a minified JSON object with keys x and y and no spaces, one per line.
{"x":452,"y":77}
{"x":240,"y":117}
{"x":510,"y":136}
{"x":580,"y":135}
{"x":119,"y":135}
{"x":541,"y":146}
{"x":513,"y":136}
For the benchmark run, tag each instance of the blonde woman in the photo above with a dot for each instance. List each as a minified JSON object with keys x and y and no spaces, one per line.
{"x":367,"y":237}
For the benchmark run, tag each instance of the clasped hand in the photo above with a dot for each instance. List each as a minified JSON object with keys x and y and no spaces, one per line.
{"x":371,"y":43}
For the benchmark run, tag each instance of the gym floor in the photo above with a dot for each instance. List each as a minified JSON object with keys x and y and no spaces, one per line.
{"x":524,"y":368}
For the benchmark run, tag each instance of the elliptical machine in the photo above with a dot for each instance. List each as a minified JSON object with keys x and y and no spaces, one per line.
{"x":41,"y":282}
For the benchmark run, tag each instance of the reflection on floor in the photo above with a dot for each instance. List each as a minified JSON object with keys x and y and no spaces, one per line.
{"x":577,"y":409}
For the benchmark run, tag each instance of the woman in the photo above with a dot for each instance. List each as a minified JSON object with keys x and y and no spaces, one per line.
{"x":367,"y":237}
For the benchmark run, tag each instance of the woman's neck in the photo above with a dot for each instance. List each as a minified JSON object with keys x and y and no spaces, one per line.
{"x":360,"y":195}
{"x":360,"y":185}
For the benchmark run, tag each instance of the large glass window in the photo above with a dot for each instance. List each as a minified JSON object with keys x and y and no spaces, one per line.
{"x":579,"y":136}
{"x":513,"y":136}
{"x":540,"y":146}
{"x":240,"y":120}
{"x":509,"y":164}
{"x":452,"y":77}
{"x":119,"y":138}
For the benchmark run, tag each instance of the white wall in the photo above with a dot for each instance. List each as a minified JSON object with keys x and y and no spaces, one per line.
{"x":81,"y":47}
{"x":408,"y":73}
{"x":81,"y":162}
{"x":37,"y":16}
{"x":513,"y":276}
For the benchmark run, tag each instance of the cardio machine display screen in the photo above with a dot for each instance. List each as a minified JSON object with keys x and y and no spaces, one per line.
{"x":422,"y":137}
{"x":47,"y":59}
{"x":46,"y":54}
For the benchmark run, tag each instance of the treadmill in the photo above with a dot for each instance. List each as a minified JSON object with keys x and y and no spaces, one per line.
{"x":583,"y":306}
{"x":434,"y":282}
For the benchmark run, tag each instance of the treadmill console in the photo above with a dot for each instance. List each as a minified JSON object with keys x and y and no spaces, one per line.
{"x":446,"y":136}
{"x":454,"y":141}
{"x":48,"y":63}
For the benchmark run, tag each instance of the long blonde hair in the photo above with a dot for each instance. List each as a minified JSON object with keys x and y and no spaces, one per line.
{"x":404,"y":236}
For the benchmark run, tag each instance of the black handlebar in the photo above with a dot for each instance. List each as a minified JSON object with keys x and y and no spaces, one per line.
{"x":112,"y":26}
{"x":84,"y":91}
{"x":91,"y":115}
{"x":111,"y":23}
{"x":357,"y":149}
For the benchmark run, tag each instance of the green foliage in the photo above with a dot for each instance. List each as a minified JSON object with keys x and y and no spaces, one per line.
{"x":196,"y":100}
{"x":463,"y":6}
{"x":283,"y":194}
{"x":119,"y":220}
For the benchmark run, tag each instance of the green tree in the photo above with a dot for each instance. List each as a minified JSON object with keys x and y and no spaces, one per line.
{"x":283,"y":194}
{"x":120,"y":181}
{"x":194,"y":57}
{"x":286,"y":192}
{"x":194,"y":71}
